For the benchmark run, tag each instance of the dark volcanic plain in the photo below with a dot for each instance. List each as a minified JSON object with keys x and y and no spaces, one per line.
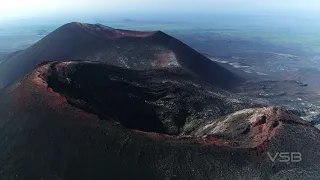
{"x":147,"y":107}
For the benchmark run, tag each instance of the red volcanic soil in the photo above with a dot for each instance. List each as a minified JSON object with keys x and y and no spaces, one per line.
{"x":257,"y":134}
{"x":112,"y":33}
{"x":255,"y":130}
{"x":34,"y":89}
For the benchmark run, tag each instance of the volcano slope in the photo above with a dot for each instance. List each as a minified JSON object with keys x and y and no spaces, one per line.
{"x":88,"y":120}
{"x":123,"y":48}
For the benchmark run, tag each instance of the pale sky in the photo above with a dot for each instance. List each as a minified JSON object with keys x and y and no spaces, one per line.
{"x":15,"y":9}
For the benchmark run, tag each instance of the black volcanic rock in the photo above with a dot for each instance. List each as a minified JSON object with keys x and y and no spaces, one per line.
{"x":170,"y":101}
{"x":123,"y":48}
{"x":88,"y":120}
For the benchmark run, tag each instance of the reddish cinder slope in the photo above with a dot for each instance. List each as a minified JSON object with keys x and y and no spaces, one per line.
{"x":122,"y":48}
{"x":34,"y":91}
{"x":44,"y":136}
{"x":104,"y":31}
{"x":248,"y":128}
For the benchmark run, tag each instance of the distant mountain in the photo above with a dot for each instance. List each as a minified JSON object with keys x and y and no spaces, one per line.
{"x":89,"y":120}
{"x":123,"y":48}
{"x":2,"y":56}
{"x":8,"y":55}
{"x":129,"y":20}
{"x":42,"y":32}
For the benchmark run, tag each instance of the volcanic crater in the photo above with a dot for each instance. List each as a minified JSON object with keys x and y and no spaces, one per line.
{"x":138,"y":101}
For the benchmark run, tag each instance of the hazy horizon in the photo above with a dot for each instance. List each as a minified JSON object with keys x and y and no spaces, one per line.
{"x":81,"y":10}
{"x":273,"y":21}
